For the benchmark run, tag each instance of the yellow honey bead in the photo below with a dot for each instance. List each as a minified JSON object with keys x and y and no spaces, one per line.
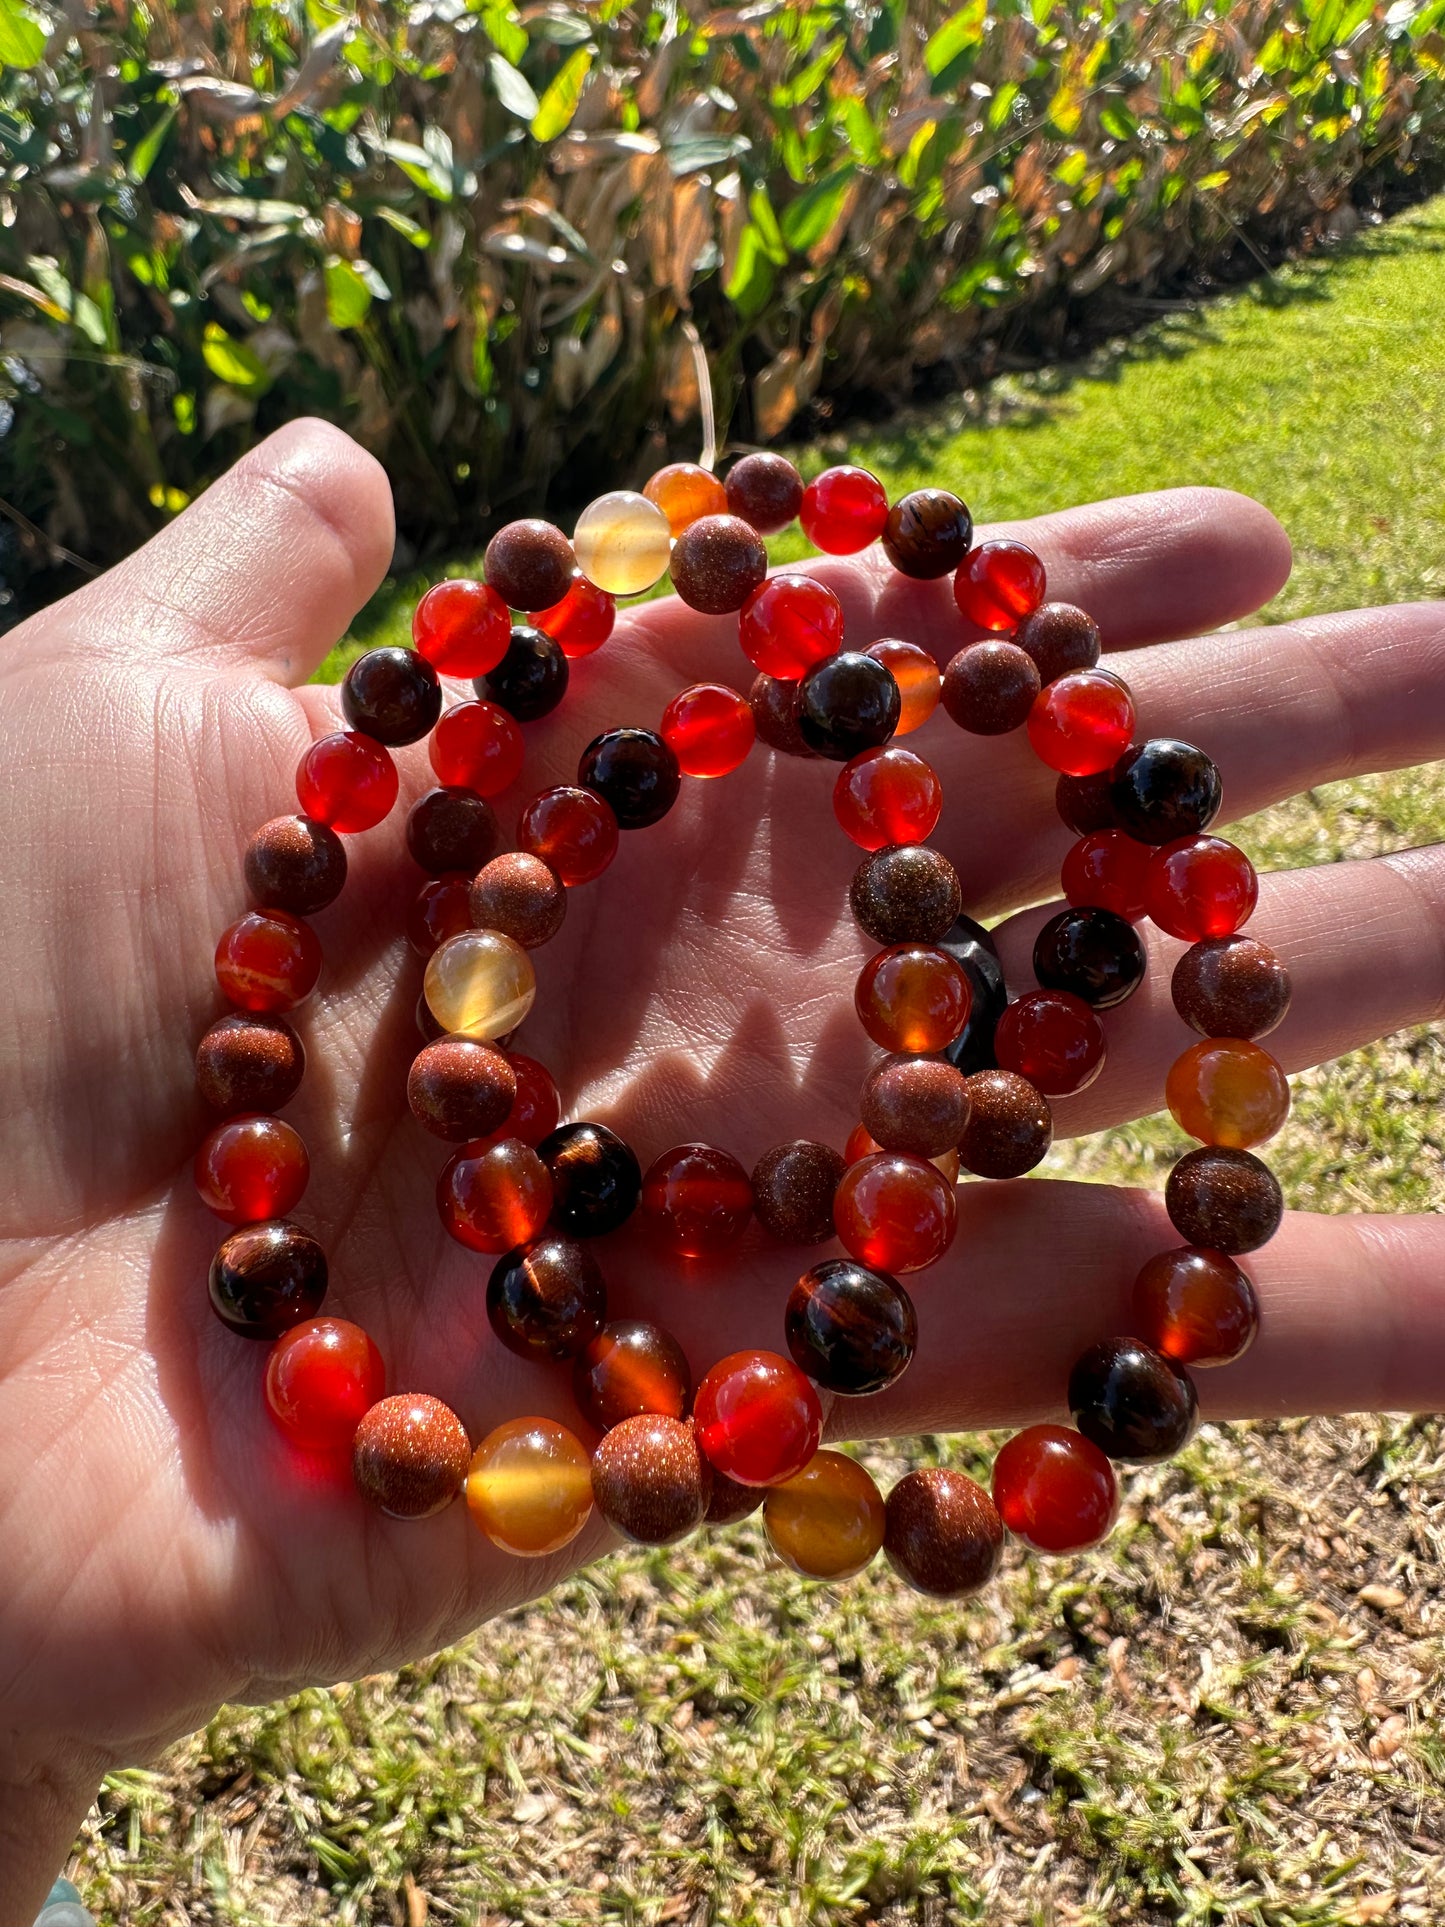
{"x":1227,"y":1091}
{"x":479,"y":984}
{"x":827,"y":1521}
{"x":685,"y":492}
{"x":529,"y":1487}
{"x":622,"y":542}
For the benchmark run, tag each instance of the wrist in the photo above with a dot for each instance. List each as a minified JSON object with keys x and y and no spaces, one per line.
{"x":43,"y":1802}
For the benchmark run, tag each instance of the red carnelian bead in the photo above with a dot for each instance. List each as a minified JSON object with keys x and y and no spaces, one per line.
{"x":346,"y":780}
{"x":462,"y":628}
{"x":887,"y":795}
{"x":757,"y":1418}
{"x":894,"y":1213}
{"x":443,"y":908}
{"x":267,"y":960}
{"x":913,"y":998}
{"x":572,"y":829}
{"x":788,"y":623}
{"x":497,"y":1198}
{"x":1201,"y":887}
{"x":1052,"y":1038}
{"x":582,"y":621}
{"x":843,"y":510}
{"x":917,"y":675}
{"x":252,"y":1168}
{"x":1082,"y":723}
{"x":321,"y":1378}
{"x":709,"y":728}
{"x":861,"y":1145}
{"x":1195,"y":1306}
{"x":699,"y":1198}
{"x":535,"y":1109}
{"x":1055,"y":1490}
{"x":998,"y":584}
{"x":1108,"y":871}
{"x":476,"y":746}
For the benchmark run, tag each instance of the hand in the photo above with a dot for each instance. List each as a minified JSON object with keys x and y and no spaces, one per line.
{"x":162,"y":1550}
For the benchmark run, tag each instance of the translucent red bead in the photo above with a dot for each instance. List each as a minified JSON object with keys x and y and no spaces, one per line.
{"x":1082,"y":723}
{"x":252,"y":1168}
{"x":709,"y":728}
{"x":1108,"y":870}
{"x":887,"y":795}
{"x":1200,"y":887}
{"x":758,"y":1418}
{"x":1195,"y":1306}
{"x":497,"y":1198}
{"x":788,"y":623}
{"x":894,"y":1213}
{"x":268,"y":960}
{"x":477,"y":746}
{"x":347,"y":781}
{"x":462,"y":628}
{"x":698,"y":1199}
{"x":1055,"y":1490}
{"x":843,"y":510}
{"x":582,"y":621}
{"x":535,"y":1108}
{"x":998,"y":584}
{"x":321,"y":1379}
{"x":442,"y":908}
{"x":572,"y":829}
{"x":913,"y":997}
{"x":1052,"y":1038}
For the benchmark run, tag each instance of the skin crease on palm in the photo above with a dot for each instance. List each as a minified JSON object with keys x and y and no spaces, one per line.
{"x":161,"y":1550}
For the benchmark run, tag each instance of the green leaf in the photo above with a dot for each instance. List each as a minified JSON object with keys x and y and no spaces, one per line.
{"x":960,"y":32}
{"x":409,"y":229}
{"x":143,"y":157}
{"x":232,"y":362}
{"x":503,"y":29}
{"x":1117,"y":122}
{"x":806,"y":220}
{"x":766,"y":223}
{"x":559,"y":103}
{"x":514,"y":90}
{"x":857,"y":125}
{"x":751,"y":281}
{"x":803,"y":86}
{"x":348,"y":299}
{"x":22,"y":38}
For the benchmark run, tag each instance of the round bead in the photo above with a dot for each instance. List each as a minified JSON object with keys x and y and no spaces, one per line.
{"x":861,"y":1145}
{"x":942,"y":1534}
{"x":917,"y":676}
{"x":623,"y":542}
{"x":477,"y":746}
{"x":650,"y":1480}
{"x":1131,"y":1402}
{"x":529,"y":1487}
{"x":1052,"y":1038}
{"x":1108,"y":870}
{"x":793,"y":1188}
{"x":265,"y":1278}
{"x":895,"y":1213}
{"x":850,"y":1329}
{"x":535,"y":1108}
{"x":1224,"y":1199}
{"x":998,"y":584}
{"x":990,"y":688}
{"x":685,"y":492}
{"x":493,"y":1199}
{"x":529,"y":564}
{"x":479,"y":984}
{"x":697,"y":1198}
{"x":321,"y":1379}
{"x":430,"y":1029}
{"x":409,"y":1456}
{"x":789,"y":623}
{"x":630,"y":1367}
{"x":846,"y":704}
{"x":912,"y":998}
{"x":1086,"y":803}
{"x":927,"y":533}
{"x":392,"y":695}
{"x":1093,"y":953}
{"x":914,"y":1104}
{"x":595,"y":1176}
{"x":530,"y":680}
{"x":765,"y":490}
{"x":635,"y":772}
{"x":717,"y":563}
{"x":519,"y":895}
{"x":249,"y":1064}
{"x":974,"y":951}
{"x":887,"y":795}
{"x":1055,"y":1490}
{"x":295,"y":864}
{"x":451,"y":829}
{"x":1231,"y":987}
{"x":906,"y":893}
{"x":1163,"y":790}
{"x":1226,"y":1090}
{"x":462,"y":628}
{"x":827,"y":1521}
{"x":709,"y":728}
{"x":442,"y":908}
{"x":1195,"y":1306}
{"x":731,"y":1501}
{"x":1010,"y":1126}
{"x":1081,"y":723}
{"x":582,"y":621}
{"x":347,"y":781}
{"x":758,"y":1418}
{"x":774,"y":706}
{"x":268,"y":961}
{"x":573,"y":830}
{"x":458,"y":1088}
{"x":547,"y":1300}
{"x":843,"y":510}
{"x":1061,"y":639}
{"x":250,"y":1168}
{"x":1201,"y":887}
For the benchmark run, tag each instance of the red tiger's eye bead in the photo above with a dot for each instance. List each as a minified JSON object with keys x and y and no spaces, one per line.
{"x":571,"y":828}
{"x":462,"y":628}
{"x":443,"y":908}
{"x":757,"y":1418}
{"x":267,"y":960}
{"x":913,"y":998}
{"x":788,"y":623}
{"x":1108,"y":871}
{"x":843,"y":510}
{"x":495,"y":1199}
{"x":476,"y":746}
{"x":1195,"y":1306}
{"x":887,"y":795}
{"x":1055,"y":1490}
{"x":998,"y":584}
{"x":582,"y":621}
{"x":709,"y":728}
{"x":251,"y":1168}
{"x":321,"y":1379}
{"x":346,"y":780}
{"x":631,"y":1367}
{"x":895,"y":1213}
{"x":917,"y":676}
{"x":1082,"y":723}
{"x":698,"y":1197}
{"x":1052,"y":1038}
{"x":1201,"y":887}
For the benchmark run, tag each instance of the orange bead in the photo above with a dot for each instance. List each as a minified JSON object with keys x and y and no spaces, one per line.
{"x":1226,"y":1090}
{"x":827,"y":1521}
{"x":685,"y":493}
{"x":529,"y":1487}
{"x":912,"y":998}
{"x":894,"y":1213}
{"x":918,"y":678}
{"x":861,"y":1145}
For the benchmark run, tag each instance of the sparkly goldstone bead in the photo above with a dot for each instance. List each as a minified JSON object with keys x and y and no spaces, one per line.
{"x":529,"y":1487}
{"x":650,"y":1480}
{"x":827,"y":1522}
{"x":623,"y":542}
{"x":409,"y":1455}
{"x":479,"y":984}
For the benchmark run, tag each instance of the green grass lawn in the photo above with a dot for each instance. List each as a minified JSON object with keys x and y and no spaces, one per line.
{"x":1233,"y":1712}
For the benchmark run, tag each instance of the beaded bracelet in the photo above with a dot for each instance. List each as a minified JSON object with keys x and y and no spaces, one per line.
{"x":964,"y":1086}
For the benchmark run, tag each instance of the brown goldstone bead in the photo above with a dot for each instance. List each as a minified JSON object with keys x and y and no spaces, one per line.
{"x":1231,"y":987}
{"x":631,"y":1367}
{"x":793,"y":1187}
{"x":650,"y":1479}
{"x":942,"y":1533}
{"x":716,"y":564}
{"x":294,"y":863}
{"x":451,"y":829}
{"x":989,"y":688}
{"x":775,"y":704}
{"x":906,"y":893}
{"x":460,"y":1088}
{"x":530,"y":564}
{"x":547,"y":1299}
{"x":927,"y":533}
{"x":1223,"y":1199}
{"x":1010,"y":1126}
{"x":249,"y":1064}
{"x":731,"y":1502}
{"x":410,"y":1455}
{"x":1060,"y":638}
{"x":765,"y":490}
{"x":916,"y":1105}
{"x":521,"y":896}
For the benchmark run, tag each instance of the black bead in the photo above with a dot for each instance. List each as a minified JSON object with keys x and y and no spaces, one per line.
{"x":1165,"y":789}
{"x":1086,"y":803}
{"x":974,"y":950}
{"x":1096,"y":954}
{"x":452,"y":829}
{"x":547,"y":1300}
{"x":634,"y":771}
{"x":1131,"y":1402}
{"x":850,"y":1329}
{"x":266,"y":1278}
{"x":393,"y":695}
{"x":846,"y":704}
{"x":530,"y":680}
{"x":596,"y":1179}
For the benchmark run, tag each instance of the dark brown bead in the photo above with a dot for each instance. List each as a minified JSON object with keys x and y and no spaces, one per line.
{"x":650,"y":1479}
{"x":1010,"y":1126}
{"x":1060,"y":638}
{"x":943,"y":1533}
{"x":989,"y":688}
{"x":765,"y":490}
{"x":295,"y":864}
{"x":410,"y":1455}
{"x":1086,"y":803}
{"x":1231,"y":987}
{"x":246,"y":1063}
{"x":793,"y":1187}
{"x":451,"y":829}
{"x":716,"y":564}
{"x":1224,"y":1199}
{"x":852,"y":1330}
{"x":392,"y":695}
{"x":521,"y":896}
{"x":927,"y":533}
{"x":731,"y":1502}
{"x":265,"y":1278}
{"x":530,"y":564}
{"x":631,"y":1366}
{"x":460,"y":1088}
{"x":915,"y":1105}
{"x":906,"y":893}
{"x":547,"y":1299}
{"x":1132,"y":1402}
{"x":775,"y":706}
{"x":595,"y":1176}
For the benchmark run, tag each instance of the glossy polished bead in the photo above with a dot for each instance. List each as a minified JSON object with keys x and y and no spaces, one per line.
{"x":459,"y":1088}
{"x":321,"y":1379}
{"x":758,"y":1418}
{"x":630,"y":1367}
{"x":998,"y":584}
{"x":451,"y":830}
{"x":989,"y":688}
{"x":1224,"y":1199}
{"x":250,"y":1168}
{"x":1086,"y":803}
{"x":1165,"y":789}
{"x":1010,"y":1126}
{"x":697,"y":1198}
{"x":1062,"y":640}
{"x":462,"y":628}
{"x":535,"y":1108}
{"x":442,"y":908}
{"x":827,"y":1521}
{"x":430,"y":1029}
{"x":976,"y":954}
{"x":927,"y":533}
{"x":1108,"y":870}
{"x":409,"y":1455}
{"x":530,"y":680}
{"x":717,"y":563}
{"x":942,"y":1533}
{"x":793,"y":1189}
{"x":766,"y":490}
{"x":529,"y":563}
{"x":912,"y":998}
{"x":1195,"y":1306}
{"x":392,"y":695}
{"x":894,"y":1213}
{"x":731,"y":1502}
{"x":1081,"y":723}
{"x":650,"y":1479}
{"x":347,"y":781}
{"x":905,"y":893}
{"x":519,"y":895}
{"x":789,"y":623}
{"x":267,"y":1277}
{"x":477,"y":746}
{"x":581,"y":622}
{"x":494,"y":1199}
{"x":709,"y":728}
{"x":1131,"y":1402}
{"x":573,"y":830}
{"x":635,"y":773}
{"x":1093,"y":953}
{"x":529,"y":1487}
{"x":918,"y":1105}
{"x":295,"y":864}
{"x":547,"y":1300}
{"x":685,"y":492}
{"x":843,"y":510}
{"x":774,"y":706}
{"x":479,"y":984}
{"x":1201,"y":887}
{"x":1231,"y":987}
{"x":887,"y":795}
{"x":917,"y":676}
{"x":1226,"y":1090}
{"x":847,"y":704}
{"x":268,"y":961}
{"x":623,"y":542}
{"x":861,"y":1144}
{"x":852,"y":1330}
{"x":596,"y":1178}
{"x":1052,"y":1038}
{"x":249,"y":1064}
{"x":1055,"y":1490}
